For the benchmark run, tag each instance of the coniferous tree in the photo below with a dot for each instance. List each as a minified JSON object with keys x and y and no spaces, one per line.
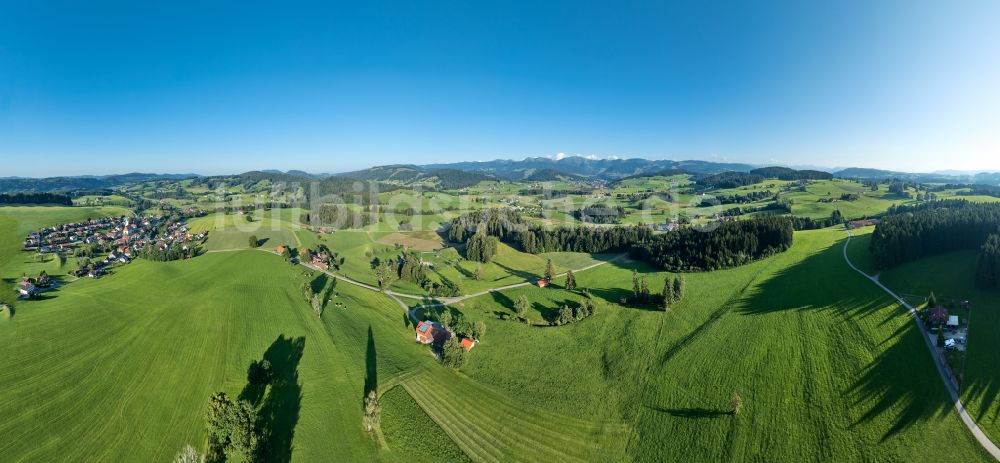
{"x":668,"y":294}
{"x":570,"y":280}
{"x":678,"y":288}
{"x":548,"y":269}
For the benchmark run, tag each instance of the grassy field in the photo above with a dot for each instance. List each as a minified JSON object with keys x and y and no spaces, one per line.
{"x":106,"y":372}
{"x":232,"y":231}
{"x":412,"y":434}
{"x":951,"y":276}
{"x":829,"y":368}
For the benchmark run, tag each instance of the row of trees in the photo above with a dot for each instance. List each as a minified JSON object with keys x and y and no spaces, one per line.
{"x":988,"y":262}
{"x":912,"y":232}
{"x":731,"y":244}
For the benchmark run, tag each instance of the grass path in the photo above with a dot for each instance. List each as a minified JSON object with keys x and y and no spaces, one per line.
{"x":978,"y":433}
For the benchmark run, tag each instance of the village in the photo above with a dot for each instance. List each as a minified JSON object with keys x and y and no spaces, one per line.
{"x":122,"y":239}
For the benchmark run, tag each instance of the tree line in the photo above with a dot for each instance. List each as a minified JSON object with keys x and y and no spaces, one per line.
{"x":35,"y":198}
{"x":912,"y":232}
{"x":687,"y":249}
{"x":731,"y":244}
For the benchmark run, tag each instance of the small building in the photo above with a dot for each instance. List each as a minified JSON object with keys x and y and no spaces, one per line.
{"x":543,"y":283}
{"x":468,"y":343}
{"x":429,"y":332}
{"x":938,"y":315}
{"x":952,"y":321}
{"x":280,"y":249}
{"x":26,"y":289}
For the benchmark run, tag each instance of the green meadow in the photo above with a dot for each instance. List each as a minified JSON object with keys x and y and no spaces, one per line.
{"x":951,"y":276}
{"x":121,"y":368}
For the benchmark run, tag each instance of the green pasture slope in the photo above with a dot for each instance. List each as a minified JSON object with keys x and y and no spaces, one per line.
{"x":829,"y":368}
{"x":121,"y":368}
{"x":951,"y":276}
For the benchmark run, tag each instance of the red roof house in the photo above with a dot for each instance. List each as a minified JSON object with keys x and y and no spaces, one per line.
{"x":468,"y":343}
{"x":543,"y":283}
{"x":429,"y":332}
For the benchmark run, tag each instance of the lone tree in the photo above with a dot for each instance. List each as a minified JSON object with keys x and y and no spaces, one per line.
{"x":644,"y":290}
{"x":232,"y":429}
{"x":668,"y":294}
{"x":736,"y":403}
{"x":570,"y":280}
{"x":635,"y":284}
{"x":548,"y":269}
{"x":479,"y":271}
{"x":932,"y":300}
{"x":521,"y":306}
{"x":373,"y":411}
{"x":678,"y":288}
{"x":253,"y":241}
{"x":384,"y":273}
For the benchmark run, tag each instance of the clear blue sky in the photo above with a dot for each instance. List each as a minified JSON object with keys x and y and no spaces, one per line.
{"x":215,"y":87}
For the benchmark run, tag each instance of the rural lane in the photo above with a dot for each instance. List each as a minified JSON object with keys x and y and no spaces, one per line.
{"x":978,"y":433}
{"x":445,"y":300}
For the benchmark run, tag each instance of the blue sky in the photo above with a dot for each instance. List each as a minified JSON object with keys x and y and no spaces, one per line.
{"x":216,"y":87}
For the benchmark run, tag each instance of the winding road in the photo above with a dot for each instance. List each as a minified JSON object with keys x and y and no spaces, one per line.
{"x":978,"y":433}
{"x":445,"y":300}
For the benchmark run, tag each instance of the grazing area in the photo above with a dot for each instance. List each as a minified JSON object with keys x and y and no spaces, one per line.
{"x":951,"y":277}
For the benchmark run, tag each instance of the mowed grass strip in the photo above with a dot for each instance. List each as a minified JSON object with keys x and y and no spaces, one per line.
{"x":489,"y":426}
{"x":411,"y":434}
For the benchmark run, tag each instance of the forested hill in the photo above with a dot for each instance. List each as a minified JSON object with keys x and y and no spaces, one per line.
{"x":35,"y":198}
{"x":53,"y":184}
{"x":784,"y":173}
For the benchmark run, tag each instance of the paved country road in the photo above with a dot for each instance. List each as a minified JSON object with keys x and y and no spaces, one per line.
{"x":938,"y":362}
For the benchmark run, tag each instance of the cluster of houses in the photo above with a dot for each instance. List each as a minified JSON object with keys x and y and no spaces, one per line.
{"x":433,"y":333}
{"x":123,"y":237}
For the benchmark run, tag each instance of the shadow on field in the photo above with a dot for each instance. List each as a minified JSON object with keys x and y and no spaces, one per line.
{"x":518,"y":273}
{"x":278,"y":409}
{"x":823,"y":283}
{"x":371,"y":365}
{"x":699,"y":412}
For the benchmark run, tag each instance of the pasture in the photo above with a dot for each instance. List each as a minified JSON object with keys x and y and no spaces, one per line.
{"x":951,"y":276}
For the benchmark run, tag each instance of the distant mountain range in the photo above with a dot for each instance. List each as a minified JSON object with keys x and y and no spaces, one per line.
{"x":463,"y":174}
{"x":609,"y":169}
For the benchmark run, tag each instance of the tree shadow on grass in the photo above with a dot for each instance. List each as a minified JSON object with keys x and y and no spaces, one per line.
{"x":526,"y":275}
{"x":698,"y":412}
{"x":371,"y":365}
{"x":823,"y":283}
{"x":280,"y":402}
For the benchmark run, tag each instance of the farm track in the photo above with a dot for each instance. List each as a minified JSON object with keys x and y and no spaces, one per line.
{"x":970,"y":423}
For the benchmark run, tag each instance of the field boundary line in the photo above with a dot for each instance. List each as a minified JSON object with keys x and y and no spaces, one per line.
{"x":970,"y":423}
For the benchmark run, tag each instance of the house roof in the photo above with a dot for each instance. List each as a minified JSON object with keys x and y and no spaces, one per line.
{"x":953,"y":320}
{"x":468,"y":343}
